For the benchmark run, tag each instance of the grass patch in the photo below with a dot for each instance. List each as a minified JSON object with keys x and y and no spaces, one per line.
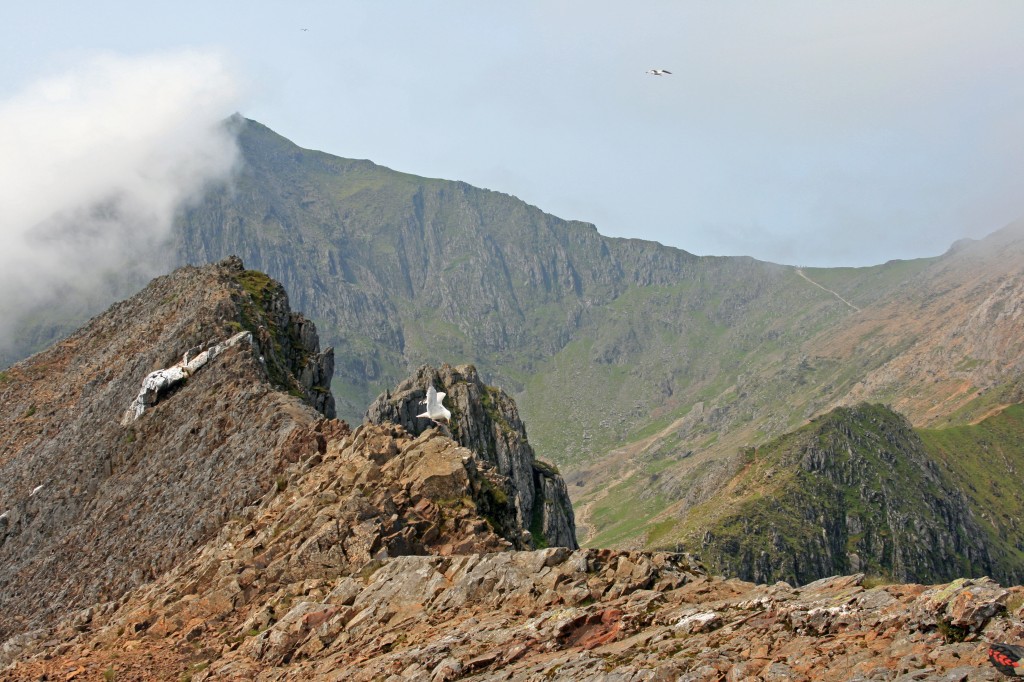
{"x":659,"y":532}
{"x":624,"y":513}
{"x":872,"y":581}
{"x":192,"y":670}
{"x":537,"y":525}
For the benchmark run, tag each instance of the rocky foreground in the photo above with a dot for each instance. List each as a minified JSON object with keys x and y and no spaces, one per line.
{"x":373,"y":562}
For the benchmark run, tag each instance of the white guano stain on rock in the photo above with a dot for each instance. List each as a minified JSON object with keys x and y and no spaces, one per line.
{"x":159,"y":382}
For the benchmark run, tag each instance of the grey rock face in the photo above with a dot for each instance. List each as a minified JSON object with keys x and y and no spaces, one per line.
{"x":485,"y":420}
{"x":288,"y":343}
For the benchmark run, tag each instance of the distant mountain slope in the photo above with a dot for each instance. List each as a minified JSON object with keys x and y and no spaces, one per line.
{"x":404,"y":270}
{"x":941,"y":340}
{"x":641,"y":369}
{"x":952,"y":337}
{"x":400,"y":270}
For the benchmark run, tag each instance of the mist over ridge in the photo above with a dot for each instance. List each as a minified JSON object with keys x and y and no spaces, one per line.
{"x":98,"y":160}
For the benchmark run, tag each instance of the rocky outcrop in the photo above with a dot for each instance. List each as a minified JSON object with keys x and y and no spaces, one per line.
{"x":288,"y":343}
{"x":122,"y":504}
{"x":853,"y":491}
{"x":486,"y":421}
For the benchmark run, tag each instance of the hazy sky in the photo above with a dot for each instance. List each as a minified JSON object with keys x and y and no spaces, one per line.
{"x":816,"y":133}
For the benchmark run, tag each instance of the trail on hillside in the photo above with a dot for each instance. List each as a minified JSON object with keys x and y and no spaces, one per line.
{"x":800,"y":272}
{"x":630,"y":452}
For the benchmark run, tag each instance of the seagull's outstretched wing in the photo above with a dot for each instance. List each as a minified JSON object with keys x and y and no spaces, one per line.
{"x":432,"y":402}
{"x":435,"y":408}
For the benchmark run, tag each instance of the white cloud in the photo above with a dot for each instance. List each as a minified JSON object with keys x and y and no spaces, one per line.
{"x":96,"y":161}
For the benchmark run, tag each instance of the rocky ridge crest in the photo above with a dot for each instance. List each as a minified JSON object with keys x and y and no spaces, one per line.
{"x":92,"y":507}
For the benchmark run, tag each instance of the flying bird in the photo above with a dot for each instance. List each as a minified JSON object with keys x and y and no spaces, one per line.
{"x":35,"y":490}
{"x":435,"y":409}
{"x":303,"y":29}
{"x":659,"y":72}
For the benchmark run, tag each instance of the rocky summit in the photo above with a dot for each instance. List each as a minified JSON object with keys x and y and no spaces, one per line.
{"x":179,"y":504}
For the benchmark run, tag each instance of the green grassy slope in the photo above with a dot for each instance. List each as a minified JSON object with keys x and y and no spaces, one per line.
{"x":986,"y":462}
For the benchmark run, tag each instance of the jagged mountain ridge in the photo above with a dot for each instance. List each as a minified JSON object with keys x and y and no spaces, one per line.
{"x":123,"y":503}
{"x":110,"y":483}
{"x":662,"y":364}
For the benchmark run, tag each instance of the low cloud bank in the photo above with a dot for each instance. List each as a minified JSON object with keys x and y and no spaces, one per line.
{"x":97,"y":161}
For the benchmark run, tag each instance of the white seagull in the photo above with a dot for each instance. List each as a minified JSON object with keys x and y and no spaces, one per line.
{"x":435,"y":408}
{"x":659,"y":72}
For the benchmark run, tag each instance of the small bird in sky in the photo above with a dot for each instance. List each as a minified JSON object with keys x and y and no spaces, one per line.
{"x":659,"y":72}
{"x":303,"y":29}
{"x":435,"y":408}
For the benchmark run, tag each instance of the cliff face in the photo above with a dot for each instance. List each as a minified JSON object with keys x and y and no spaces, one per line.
{"x":855,"y":490}
{"x":486,"y":421}
{"x":93,"y":505}
{"x":395,"y":266}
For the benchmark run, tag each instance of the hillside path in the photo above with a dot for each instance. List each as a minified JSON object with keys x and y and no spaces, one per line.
{"x":800,"y":272}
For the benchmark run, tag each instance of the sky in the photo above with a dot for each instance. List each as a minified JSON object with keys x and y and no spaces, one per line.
{"x":805,"y":133}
